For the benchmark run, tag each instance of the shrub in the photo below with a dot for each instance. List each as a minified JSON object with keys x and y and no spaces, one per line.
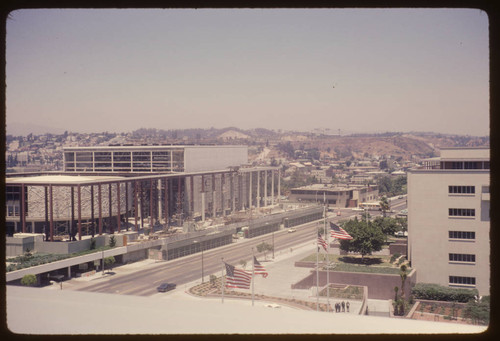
{"x":28,"y":280}
{"x":109,"y":261}
{"x":394,"y":257}
{"x":435,"y":292}
{"x":92,"y":243}
{"x":112,"y":241}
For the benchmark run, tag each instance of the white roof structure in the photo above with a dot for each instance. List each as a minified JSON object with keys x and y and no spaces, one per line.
{"x":60,"y":179}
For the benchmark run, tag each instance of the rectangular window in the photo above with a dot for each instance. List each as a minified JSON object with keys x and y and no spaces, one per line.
{"x":462,"y":280}
{"x":460,"y":257}
{"x":461,"y":189}
{"x":461,"y":212}
{"x":462,"y":235}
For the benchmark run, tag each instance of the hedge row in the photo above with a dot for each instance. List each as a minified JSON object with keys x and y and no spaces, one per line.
{"x":23,"y":261}
{"x":435,"y":292}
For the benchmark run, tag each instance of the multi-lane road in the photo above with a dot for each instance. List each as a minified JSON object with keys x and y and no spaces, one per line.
{"x":189,"y":268}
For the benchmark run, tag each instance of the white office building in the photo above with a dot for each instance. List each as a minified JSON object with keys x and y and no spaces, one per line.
{"x":449,"y":219}
{"x":140,"y":159}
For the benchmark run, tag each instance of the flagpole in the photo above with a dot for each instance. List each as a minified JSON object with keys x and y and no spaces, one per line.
{"x":222,"y":279}
{"x":327,"y":260}
{"x":253,"y":275}
{"x":317,"y":273}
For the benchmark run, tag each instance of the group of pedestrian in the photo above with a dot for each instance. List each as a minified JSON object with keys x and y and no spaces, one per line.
{"x":342,"y":305}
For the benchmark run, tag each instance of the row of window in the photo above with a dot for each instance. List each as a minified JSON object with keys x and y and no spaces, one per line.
{"x":465,"y":165}
{"x":462,"y":280}
{"x":460,"y":257}
{"x":462,"y":235}
{"x":462,"y":189}
{"x":461,"y":212}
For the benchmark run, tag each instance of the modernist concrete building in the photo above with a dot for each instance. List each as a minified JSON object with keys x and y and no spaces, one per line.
{"x":449,"y":219}
{"x":86,"y":204}
{"x":150,"y":159}
{"x":336,"y":196}
{"x":104,"y":189}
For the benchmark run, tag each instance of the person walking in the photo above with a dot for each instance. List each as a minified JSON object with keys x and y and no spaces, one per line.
{"x":347,"y":306}
{"x":343,"y":306}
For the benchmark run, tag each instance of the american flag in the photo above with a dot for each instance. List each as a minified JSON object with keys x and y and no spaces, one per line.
{"x":322,"y":242}
{"x":237,"y":278}
{"x":338,"y":232}
{"x":259,"y":268}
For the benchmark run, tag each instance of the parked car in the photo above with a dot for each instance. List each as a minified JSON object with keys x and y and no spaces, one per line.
{"x":166,"y":287}
{"x":290,"y":230}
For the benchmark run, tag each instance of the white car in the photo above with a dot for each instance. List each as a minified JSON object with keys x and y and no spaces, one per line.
{"x":272,"y":305}
{"x":290,"y":230}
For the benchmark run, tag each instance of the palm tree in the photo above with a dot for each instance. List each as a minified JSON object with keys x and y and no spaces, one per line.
{"x":384,"y":205}
{"x":403,"y":274}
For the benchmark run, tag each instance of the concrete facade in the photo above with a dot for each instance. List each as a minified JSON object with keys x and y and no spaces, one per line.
{"x":449,"y":221}
{"x":335,"y":196}
{"x":149,"y":159}
{"x":380,"y":286}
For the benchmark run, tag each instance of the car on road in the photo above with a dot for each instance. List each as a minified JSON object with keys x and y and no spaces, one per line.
{"x":166,"y":287}
{"x":290,"y":230}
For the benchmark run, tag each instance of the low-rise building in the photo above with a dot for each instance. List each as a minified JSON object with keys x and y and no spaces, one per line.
{"x":337,"y":196}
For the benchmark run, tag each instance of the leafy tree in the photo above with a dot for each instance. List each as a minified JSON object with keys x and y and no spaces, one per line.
{"x":264,"y":247}
{"x":402,"y":224}
{"x":478,"y":310}
{"x":109,"y":261}
{"x":387,"y":225}
{"x":384,"y":205}
{"x":384,"y":184}
{"x":287,"y":149}
{"x":28,"y":280}
{"x":367,"y":237}
{"x":243,"y":263}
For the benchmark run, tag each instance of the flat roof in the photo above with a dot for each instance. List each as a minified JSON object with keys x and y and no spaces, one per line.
{"x":60,"y":179}
{"x":150,"y":147}
{"x":322,"y":187}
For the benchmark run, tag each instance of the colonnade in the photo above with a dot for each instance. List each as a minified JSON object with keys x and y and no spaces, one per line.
{"x":147,"y":200}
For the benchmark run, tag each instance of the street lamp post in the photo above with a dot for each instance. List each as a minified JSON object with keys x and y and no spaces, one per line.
{"x":202,"y":273}
{"x":273,"y":244}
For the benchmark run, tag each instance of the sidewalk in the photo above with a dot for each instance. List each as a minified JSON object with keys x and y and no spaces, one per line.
{"x":282,"y":274}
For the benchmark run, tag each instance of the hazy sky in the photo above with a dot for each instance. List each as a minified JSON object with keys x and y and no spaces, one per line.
{"x":362,"y":70}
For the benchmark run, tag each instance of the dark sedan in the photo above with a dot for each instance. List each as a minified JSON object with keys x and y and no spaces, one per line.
{"x":166,"y":287}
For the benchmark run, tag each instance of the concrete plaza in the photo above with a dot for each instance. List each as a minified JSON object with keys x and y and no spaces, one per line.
{"x":54,"y":311}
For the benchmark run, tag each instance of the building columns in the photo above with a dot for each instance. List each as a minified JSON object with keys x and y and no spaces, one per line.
{"x":272,"y":187}
{"x":250,"y":191}
{"x":258,"y":189}
{"x":99,"y":196}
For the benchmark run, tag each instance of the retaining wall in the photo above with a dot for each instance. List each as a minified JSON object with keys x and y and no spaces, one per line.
{"x":380,"y":286}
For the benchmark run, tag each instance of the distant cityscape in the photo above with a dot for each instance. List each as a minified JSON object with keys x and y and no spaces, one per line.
{"x":322,"y":148}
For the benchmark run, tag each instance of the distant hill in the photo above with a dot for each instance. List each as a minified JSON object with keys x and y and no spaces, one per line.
{"x":24,"y":129}
{"x":405,"y":145}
